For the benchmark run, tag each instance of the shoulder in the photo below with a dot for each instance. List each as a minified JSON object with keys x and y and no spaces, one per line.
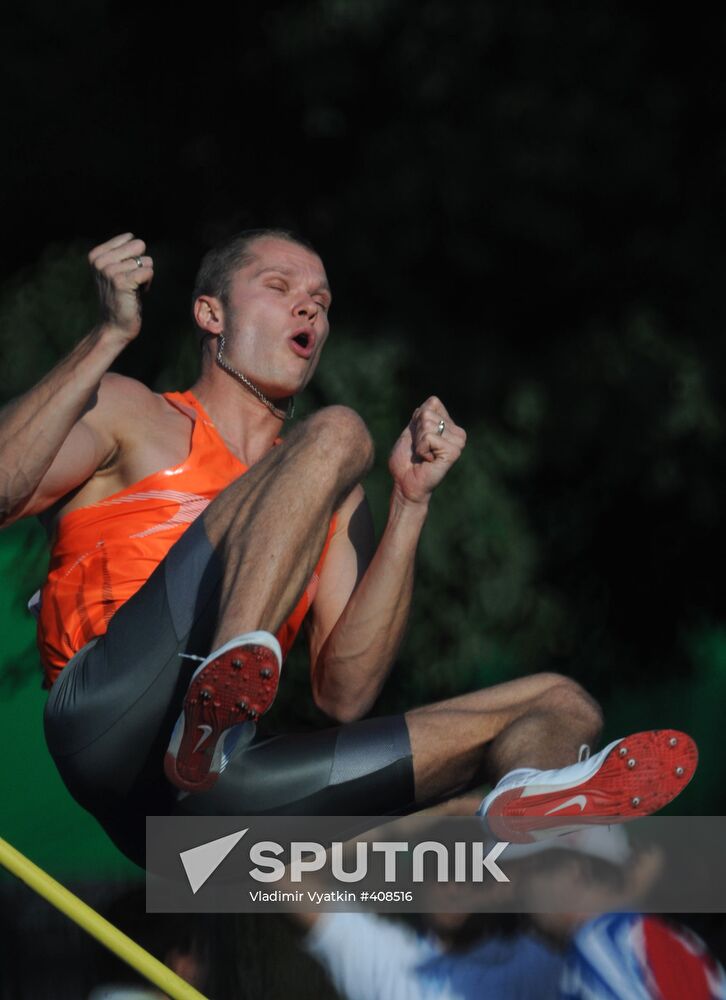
{"x":121,"y":400}
{"x":115,"y":390}
{"x":122,"y":419}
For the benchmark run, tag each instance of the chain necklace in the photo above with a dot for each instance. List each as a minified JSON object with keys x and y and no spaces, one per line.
{"x":280,"y":414}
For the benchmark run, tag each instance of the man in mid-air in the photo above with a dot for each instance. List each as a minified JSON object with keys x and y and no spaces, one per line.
{"x":189,"y":541}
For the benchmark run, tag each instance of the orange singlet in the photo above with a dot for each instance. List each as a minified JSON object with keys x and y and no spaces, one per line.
{"x":105,"y":552}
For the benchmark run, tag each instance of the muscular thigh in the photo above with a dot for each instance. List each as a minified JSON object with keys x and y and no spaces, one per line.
{"x":448,"y":737}
{"x":363,"y":768}
{"x":507,"y":699}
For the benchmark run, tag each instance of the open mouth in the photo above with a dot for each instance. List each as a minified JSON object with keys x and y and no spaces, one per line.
{"x":303,"y":343}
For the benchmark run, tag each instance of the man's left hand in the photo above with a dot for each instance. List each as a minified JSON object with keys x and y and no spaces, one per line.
{"x":425,"y":451}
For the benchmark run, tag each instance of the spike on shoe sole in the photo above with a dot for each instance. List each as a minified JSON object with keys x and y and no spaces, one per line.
{"x":638,"y":776}
{"x":235,"y":684}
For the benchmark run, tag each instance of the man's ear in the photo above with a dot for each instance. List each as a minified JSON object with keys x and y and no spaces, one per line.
{"x":209,"y":315}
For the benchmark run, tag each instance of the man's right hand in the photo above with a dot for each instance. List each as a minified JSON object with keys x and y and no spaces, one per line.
{"x":121,"y":270}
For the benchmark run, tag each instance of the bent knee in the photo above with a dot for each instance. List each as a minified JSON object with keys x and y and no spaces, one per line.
{"x":341,"y":428}
{"x":569,"y":697}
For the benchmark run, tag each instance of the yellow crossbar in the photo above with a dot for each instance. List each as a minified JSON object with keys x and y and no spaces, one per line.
{"x":87,"y":918}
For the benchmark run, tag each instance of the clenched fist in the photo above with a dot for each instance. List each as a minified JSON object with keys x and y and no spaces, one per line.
{"x":425,"y":451}
{"x":121,"y":270}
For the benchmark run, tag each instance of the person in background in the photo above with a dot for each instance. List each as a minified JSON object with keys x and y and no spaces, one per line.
{"x":610,"y":954}
{"x":442,"y":956}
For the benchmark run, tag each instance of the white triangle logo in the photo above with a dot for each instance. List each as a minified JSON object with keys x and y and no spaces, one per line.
{"x":202,"y":861}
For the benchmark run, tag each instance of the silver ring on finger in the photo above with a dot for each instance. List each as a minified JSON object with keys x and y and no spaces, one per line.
{"x":440,"y":429}
{"x":138,"y":261}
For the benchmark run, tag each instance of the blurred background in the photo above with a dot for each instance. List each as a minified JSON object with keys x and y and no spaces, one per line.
{"x":520,"y":209}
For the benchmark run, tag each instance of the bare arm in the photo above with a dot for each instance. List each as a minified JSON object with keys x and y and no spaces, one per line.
{"x":362,"y":606}
{"x":54,"y":437}
{"x":370,"y":609}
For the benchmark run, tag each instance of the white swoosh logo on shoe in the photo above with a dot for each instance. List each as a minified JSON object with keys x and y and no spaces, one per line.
{"x":577,"y":800}
{"x":206,"y":730}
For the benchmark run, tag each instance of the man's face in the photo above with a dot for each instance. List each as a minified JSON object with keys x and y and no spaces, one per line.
{"x":276,"y":321}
